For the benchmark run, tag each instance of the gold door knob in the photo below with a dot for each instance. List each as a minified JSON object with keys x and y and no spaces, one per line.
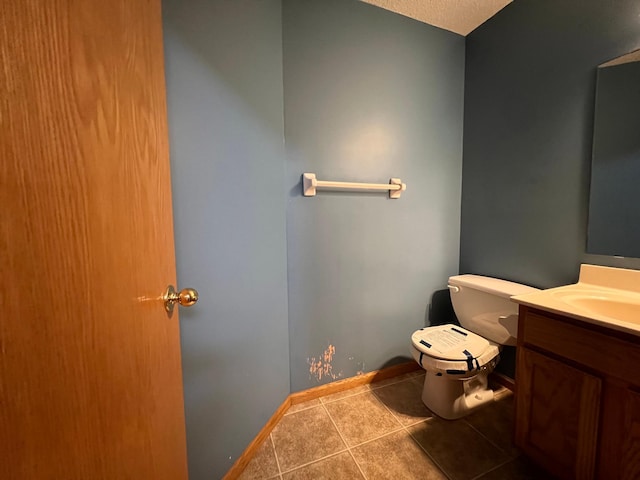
{"x":185,"y":297}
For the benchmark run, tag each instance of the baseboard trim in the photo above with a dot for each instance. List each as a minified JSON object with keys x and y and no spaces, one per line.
{"x":243,"y":460}
{"x":352,"y":382}
{"x":311,"y":394}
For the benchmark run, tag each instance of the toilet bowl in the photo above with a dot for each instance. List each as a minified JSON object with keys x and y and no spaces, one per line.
{"x":459,"y":359}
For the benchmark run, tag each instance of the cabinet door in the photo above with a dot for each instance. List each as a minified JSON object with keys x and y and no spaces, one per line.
{"x":557,"y":409}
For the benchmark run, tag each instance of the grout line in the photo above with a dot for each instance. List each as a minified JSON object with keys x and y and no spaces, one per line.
{"x":478,"y":477}
{"x":335,"y":426}
{"x":445,"y":473}
{"x":487,"y":438}
{"x":378,"y":437}
{"x":325,"y":402}
{"x":273,"y":445}
{"x":357,"y":465}
{"x":419,"y":380}
{"x":298,"y":467}
{"x":344,"y":440}
{"x":388,"y":409}
{"x":301,"y":409}
{"x":387,"y":382}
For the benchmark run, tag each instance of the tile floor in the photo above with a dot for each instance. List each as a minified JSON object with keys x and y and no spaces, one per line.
{"x":384,"y":431}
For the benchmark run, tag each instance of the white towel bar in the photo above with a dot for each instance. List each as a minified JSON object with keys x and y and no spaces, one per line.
{"x":310,"y":184}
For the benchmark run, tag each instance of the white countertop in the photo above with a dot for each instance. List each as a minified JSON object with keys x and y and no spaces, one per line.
{"x":604,"y":296}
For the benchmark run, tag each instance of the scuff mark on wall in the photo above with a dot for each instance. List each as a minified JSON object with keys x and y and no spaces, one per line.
{"x":360,"y":370}
{"x":321,"y":367}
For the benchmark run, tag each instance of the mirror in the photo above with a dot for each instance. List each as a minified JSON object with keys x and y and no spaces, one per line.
{"x":614,"y":201}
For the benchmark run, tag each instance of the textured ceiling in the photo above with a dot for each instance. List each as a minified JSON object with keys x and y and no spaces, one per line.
{"x":459,"y":16}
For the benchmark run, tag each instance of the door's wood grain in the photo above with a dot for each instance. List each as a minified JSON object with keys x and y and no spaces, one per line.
{"x":557,"y":415}
{"x":631,"y":435}
{"x":90,"y":378}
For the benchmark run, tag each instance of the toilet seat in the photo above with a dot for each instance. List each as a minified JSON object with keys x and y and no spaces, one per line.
{"x":452,"y":350}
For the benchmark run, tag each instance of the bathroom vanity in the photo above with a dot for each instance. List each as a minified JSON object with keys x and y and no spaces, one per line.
{"x":578,"y":378}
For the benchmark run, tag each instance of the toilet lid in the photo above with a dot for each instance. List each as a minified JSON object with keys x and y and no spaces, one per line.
{"x":449,"y":342}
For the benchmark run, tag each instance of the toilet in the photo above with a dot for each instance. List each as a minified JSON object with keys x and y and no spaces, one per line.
{"x":459,"y":359}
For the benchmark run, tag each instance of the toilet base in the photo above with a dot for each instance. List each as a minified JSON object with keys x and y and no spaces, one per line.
{"x":451,"y":398}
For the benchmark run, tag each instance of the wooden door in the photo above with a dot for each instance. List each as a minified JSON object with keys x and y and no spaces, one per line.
{"x":557,"y":412}
{"x":90,"y":377}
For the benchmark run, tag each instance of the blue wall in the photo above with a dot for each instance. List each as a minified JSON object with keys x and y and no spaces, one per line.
{"x":224,"y":88}
{"x":368,"y":95}
{"x":529,"y":99}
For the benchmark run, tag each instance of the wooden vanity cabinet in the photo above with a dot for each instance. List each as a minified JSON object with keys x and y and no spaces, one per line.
{"x":577,"y":397}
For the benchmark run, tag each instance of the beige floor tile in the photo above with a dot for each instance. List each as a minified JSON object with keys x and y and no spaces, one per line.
{"x":338,"y":467}
{"x":308,"y":445}
{"x":457,"y":448}
{"x":396,"y":457}
{"x":495,"y":422}
{"x":404,"y":399}
{"x":361,"y":418}
{"x":344,"y":394}
{"x":263,"y":465}
{"x":303,"y":406}
{"x":517,"y":469}
{"x":305,"y":436}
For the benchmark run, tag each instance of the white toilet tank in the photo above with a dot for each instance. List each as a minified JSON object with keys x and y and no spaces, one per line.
{"x":483,"y":305}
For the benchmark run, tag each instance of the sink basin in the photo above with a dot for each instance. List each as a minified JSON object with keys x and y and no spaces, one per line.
{"x":627,"y":312}
{"x":608,"y":305}
{"x":603,"y":295}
